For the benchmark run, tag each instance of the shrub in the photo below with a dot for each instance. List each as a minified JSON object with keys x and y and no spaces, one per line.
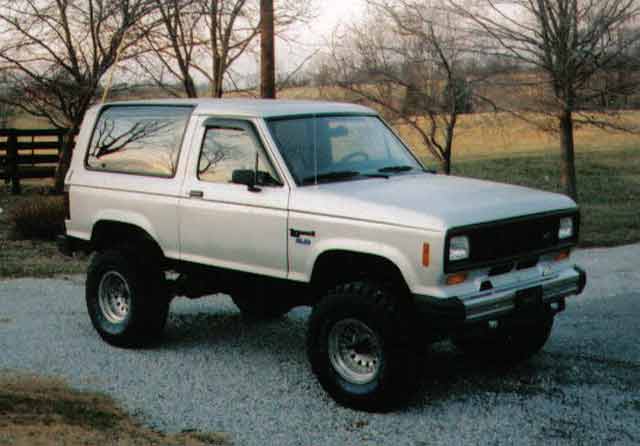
{"x":38,"y":217}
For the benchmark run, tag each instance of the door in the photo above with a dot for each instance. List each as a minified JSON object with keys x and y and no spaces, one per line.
{"x":227,"y":224}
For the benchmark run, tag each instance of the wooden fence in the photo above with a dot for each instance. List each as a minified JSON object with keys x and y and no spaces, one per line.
{"x":29,"y":154}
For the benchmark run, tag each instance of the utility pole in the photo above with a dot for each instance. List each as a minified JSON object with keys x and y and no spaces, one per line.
{"x":267,"y":50}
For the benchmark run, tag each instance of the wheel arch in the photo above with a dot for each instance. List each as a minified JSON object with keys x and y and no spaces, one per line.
{"x":107,"y":233}
{"x":336,"y":266}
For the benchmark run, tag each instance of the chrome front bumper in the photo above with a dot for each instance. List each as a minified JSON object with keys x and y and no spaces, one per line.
{"x":494,"y":303}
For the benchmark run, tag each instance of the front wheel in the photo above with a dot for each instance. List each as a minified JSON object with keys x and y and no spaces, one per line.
{"x":359,"y":347}
{"x":127,"y":302}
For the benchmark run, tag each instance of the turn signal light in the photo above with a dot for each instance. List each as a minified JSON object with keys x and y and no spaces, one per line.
{"x":456,"y":279}
{"x":562,"y":255}
{"x":425,"y":254}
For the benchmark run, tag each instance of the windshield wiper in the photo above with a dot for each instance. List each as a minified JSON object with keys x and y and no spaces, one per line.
{"x":341,"y":175}
{"x":376,"y":175}
{"x":395,"y":169}
{"x":330,"y":176}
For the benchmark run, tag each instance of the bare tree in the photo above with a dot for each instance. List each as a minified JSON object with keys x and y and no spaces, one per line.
{"x":407,"y":60}
{"x":203,"y":39}
{"x":573,"y":45}
{"x":57,"y":52}
{"x":231,"y":29}
{"x":173,"y":41}
{"x":198,"y":38}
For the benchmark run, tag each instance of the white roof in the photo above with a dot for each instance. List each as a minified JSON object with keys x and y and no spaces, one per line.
{"x":260,"y":108}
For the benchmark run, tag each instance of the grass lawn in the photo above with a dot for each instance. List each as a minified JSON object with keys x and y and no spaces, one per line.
{"x":37,"y":411}
{"x":30,"y":258}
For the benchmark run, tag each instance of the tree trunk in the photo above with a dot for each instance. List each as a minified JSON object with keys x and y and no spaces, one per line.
{"x":267,"y":48}
{"x":448,"y":148}
{"x":66,"y":152}
{"x":448,"y":144}
{"x":218,"y":91}
{"x":446,"y":164}
{"x":567,"y":147}
{"x":189,"y":86}
{"x":217,"y":73}
{"x":218,"y":77}
{"x":446,"y":160}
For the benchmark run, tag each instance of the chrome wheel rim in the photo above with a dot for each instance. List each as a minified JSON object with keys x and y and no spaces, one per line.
{"x":114,"y":297}
{"x":355,"y":351}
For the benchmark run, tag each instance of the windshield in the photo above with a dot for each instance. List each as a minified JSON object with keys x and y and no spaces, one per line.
{"x":340,"y":148}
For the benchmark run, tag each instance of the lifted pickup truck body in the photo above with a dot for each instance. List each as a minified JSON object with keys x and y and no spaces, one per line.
{"x":284,"y":203}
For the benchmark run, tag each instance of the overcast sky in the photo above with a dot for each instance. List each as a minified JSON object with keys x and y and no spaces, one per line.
{"x":309,"y":37}
{"x":333,"y":12}
{"x":305,"y":40}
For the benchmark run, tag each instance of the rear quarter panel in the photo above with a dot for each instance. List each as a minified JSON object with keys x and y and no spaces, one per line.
{"x":145,"y":201}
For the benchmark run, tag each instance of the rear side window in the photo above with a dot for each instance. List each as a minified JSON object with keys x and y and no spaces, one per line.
{"x":142,"y":140}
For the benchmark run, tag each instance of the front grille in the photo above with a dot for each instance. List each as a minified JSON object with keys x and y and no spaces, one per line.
{"x":521,"y":240}
{"x":528,"y":263}
{"x":501,"y":269}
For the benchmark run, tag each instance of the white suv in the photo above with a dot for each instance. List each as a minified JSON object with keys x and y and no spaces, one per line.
{"x":286,"y":203}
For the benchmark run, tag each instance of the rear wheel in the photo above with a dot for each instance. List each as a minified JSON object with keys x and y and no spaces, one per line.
{"x":359,"y":347}
{"x":127,"y":302}
{"x":509,"y":340}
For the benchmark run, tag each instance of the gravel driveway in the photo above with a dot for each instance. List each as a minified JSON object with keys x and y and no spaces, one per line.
{"x":218,"y":372}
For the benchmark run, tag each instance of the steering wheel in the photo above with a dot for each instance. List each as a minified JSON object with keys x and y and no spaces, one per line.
{"x":351,"y":156}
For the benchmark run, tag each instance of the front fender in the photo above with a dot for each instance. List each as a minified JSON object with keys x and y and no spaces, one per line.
{"x":402,"y":246}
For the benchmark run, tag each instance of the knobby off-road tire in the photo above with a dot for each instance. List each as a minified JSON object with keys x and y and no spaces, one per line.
{"x":127,"y":301}
{"x":360,"y":348}
{"x":511,"y":341}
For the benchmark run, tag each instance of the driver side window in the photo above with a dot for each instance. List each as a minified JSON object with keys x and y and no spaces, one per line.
{"x":229,"y":148}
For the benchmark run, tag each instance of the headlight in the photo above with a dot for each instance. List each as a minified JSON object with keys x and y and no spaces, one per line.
{"x":459,"y":248}
{"x":566,"y":228}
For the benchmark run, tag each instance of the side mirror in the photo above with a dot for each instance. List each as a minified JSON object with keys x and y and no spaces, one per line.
{"x":246,"y":177}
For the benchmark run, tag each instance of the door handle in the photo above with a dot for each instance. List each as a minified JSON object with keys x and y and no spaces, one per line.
{"x":196,"y":194}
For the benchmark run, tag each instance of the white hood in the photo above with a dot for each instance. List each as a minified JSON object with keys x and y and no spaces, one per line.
{"x":432,"y":202}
